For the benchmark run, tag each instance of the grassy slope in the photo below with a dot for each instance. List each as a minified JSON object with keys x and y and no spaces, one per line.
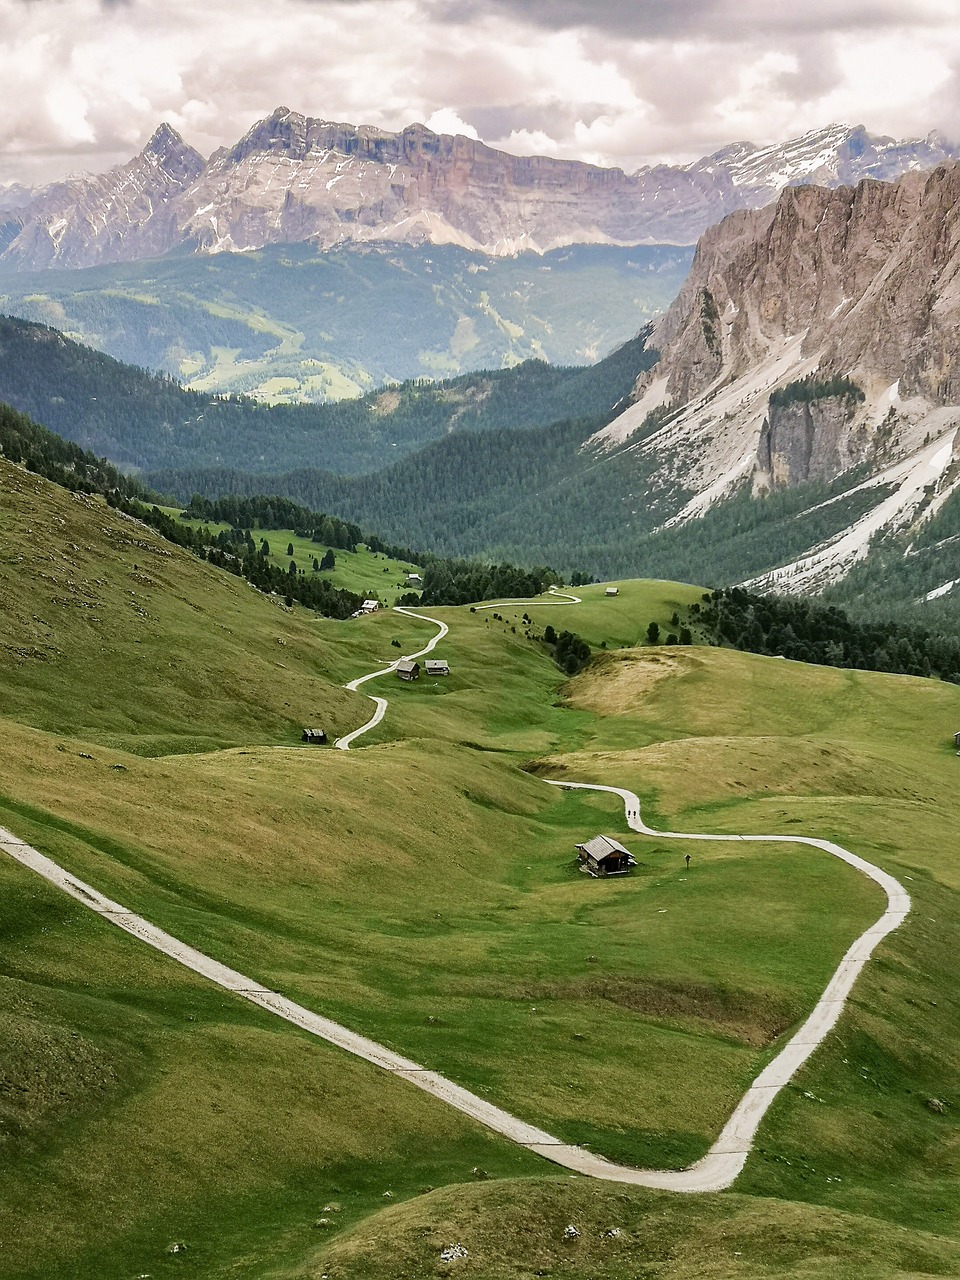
{"x":471,"y":943}
{"x":364,"y":571}
{"x":110,"y":632}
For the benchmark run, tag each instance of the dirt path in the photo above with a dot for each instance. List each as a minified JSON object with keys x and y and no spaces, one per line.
{"x":723,"y":1162}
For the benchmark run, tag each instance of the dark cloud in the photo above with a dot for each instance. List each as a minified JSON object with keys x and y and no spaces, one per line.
{"x":723,"y":20}
{"x":556,"y":119}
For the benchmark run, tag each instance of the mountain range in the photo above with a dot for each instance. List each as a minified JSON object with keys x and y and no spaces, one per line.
{"x":292,"y":178}
{"x":796,"y":426}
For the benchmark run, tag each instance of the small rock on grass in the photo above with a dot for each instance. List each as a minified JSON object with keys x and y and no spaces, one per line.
{"x":453,"y":1253}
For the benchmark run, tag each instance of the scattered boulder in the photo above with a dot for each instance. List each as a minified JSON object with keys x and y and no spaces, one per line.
{"x":937,"y":1106}
{"x":570,"y":1232}
{"x":453,"y":1253}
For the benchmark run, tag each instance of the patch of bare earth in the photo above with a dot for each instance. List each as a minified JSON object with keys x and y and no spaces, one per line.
{"x":618,"y":683}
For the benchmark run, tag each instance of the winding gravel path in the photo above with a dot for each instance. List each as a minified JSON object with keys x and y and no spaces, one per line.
{"x":723,"y":1162}
{"x":345,"y":742}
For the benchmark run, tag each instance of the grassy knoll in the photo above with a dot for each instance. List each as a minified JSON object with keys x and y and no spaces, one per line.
{"x":515,"y":1231}
{"x":422,"y":890}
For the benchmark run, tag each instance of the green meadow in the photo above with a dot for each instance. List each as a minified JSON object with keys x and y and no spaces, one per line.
{"x":366,"y":572}
{"x":422,"y":889}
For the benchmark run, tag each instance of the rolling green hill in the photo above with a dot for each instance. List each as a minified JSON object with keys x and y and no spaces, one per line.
{"x":289,"y":323}
{"x":422,"y":889}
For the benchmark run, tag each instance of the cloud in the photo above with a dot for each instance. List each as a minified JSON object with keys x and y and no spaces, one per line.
{"x":446,"y":120}
{"x":83,"y":83}
{"x":721,"y":20}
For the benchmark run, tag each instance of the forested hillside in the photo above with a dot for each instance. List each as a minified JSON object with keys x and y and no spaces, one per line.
{"x":538,"y":497}
{"x":137,"y":419}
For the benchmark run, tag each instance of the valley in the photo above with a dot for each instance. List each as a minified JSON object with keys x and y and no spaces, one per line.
{"x":290,"y":324}
{"x":447,"y":921}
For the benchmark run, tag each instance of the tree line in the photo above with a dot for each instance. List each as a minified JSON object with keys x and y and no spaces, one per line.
{"x":824,"y":634}
{"x":815,"y":387}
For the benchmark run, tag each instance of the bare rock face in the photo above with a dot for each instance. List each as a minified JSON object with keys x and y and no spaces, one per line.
{"x":808,"y":441}
{"x":846,"y":302}
{"x":118,"y":216}
{"x":864,"y":278}
{"x":292,"y":178}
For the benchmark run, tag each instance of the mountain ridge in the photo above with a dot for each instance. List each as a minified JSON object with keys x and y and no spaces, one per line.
{"x":292,"y":178}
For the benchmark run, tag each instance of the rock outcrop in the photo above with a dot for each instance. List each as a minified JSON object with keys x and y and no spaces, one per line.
{"x":806,"y":441}
{"x":292,"y":178}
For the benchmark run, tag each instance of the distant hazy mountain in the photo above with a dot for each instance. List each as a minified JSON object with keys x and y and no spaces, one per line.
{"x":290,"y":323}
{"x":292,"y":178}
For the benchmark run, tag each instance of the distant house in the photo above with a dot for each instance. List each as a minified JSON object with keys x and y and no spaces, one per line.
{"x":370,"y":606}
{"x":604,"y":856}
{"x":612,"y":591}
{"x":314,"y":736}
{"x":437,"y":667}
{"x":414,"y":580}
{"x":407,"y":669}
{"x":956,"y":739}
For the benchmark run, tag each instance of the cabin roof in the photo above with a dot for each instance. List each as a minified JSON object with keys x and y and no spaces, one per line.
{"x":407,"y":664}
{"x":601,"y":847}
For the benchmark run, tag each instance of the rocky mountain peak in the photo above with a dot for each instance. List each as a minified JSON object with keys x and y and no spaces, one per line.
{"x":810,"y":337}
{"x":168,"y":151}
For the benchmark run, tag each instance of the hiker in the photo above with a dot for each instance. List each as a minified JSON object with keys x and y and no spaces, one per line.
{"x":687,"y":860}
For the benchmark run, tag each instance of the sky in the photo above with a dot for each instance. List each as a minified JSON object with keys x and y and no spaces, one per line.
{"x":83,"y":83}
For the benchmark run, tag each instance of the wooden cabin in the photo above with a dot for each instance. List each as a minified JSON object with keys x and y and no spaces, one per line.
{"x":407,"y":669}
{"x":370,"y":606}
{"x":956,"y":741}
{"x":414,"y":580}
{"x":437,"y":667}
{"x":314,"y":736}
{"x":604,"y":856}
{"x":612,"y":591}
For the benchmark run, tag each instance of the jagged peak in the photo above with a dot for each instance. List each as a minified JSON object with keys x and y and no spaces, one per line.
{"x":168,"y":151}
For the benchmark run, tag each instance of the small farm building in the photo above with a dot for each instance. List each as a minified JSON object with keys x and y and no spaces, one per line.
{"x":315,"y":736}
{"x":612,"y":591}
{"x":408,"y":670}
{"x":437,"y":667}
{"x":414,"y":580}
{"x":370,"y":606}
{"x":604,"y":856}
{"x":956,"y":739}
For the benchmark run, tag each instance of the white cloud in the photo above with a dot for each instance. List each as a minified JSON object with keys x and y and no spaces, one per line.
{"x":446,"y":120}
